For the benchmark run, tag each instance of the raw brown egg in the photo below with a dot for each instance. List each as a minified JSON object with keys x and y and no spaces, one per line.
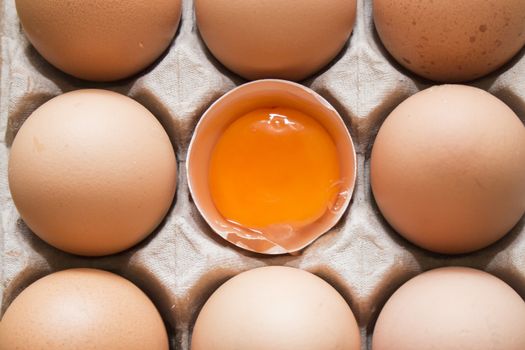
{"x":448,"y":40}
{"x":100,"y":40}
{"x":276,"y":308}
{"x":260,"y":177}
{"x":452,"y":308}
{"x":82,"y":309}
{"x":275,"y":39}
{"x":447,"y":169}
{"x":271,"y":166}
{"x":92,"y":172}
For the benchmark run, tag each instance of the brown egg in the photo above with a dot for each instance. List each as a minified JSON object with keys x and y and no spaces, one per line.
{"x":448,"y":40}
{"x":449,"y":309}
{"x":92,"y":172}
{"x":276,"y":308}
{"x":100,"y":40}
{"x":275,"y":39}
{"x":82,"y":309}
{"x":447,"y":169}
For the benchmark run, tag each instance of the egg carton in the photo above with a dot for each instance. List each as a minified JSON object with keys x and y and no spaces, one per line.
{"x":183,"y":261}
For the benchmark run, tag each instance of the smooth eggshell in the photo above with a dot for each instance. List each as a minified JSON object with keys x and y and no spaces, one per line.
{"x":449,"y":40}
{"x":275,"y":39}
{"x":92,"y":172}
{"x":276,"y":308}
{"x":450,"y":309}
{"x":100,"y":40}
{"x":447,"y":169}
{"x":82,"y":309}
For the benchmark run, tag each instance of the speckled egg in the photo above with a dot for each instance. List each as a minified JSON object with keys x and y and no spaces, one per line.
{"x":451,"y":41}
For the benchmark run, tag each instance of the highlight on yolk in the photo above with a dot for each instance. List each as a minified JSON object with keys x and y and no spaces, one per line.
{"x":274,"y":168}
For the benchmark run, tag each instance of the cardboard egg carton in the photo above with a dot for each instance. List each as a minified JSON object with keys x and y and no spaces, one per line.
{"x":183,"y":261}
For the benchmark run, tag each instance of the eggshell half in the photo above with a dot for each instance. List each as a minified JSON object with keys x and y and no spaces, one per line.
{"x":219,"y":116}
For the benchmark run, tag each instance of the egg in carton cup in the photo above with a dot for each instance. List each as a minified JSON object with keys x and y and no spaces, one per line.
{"x":184,"y":261}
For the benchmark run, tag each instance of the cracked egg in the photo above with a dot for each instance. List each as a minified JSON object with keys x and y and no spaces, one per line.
{"x":271,"y":166}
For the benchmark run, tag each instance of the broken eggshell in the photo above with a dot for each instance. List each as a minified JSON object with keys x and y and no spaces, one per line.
{"x":233,"y":105}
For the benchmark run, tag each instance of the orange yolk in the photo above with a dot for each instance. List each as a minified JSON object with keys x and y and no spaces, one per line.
{"x":274,"y":167}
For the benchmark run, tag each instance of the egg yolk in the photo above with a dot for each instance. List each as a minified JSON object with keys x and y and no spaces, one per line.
{"x":272,"y":168}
